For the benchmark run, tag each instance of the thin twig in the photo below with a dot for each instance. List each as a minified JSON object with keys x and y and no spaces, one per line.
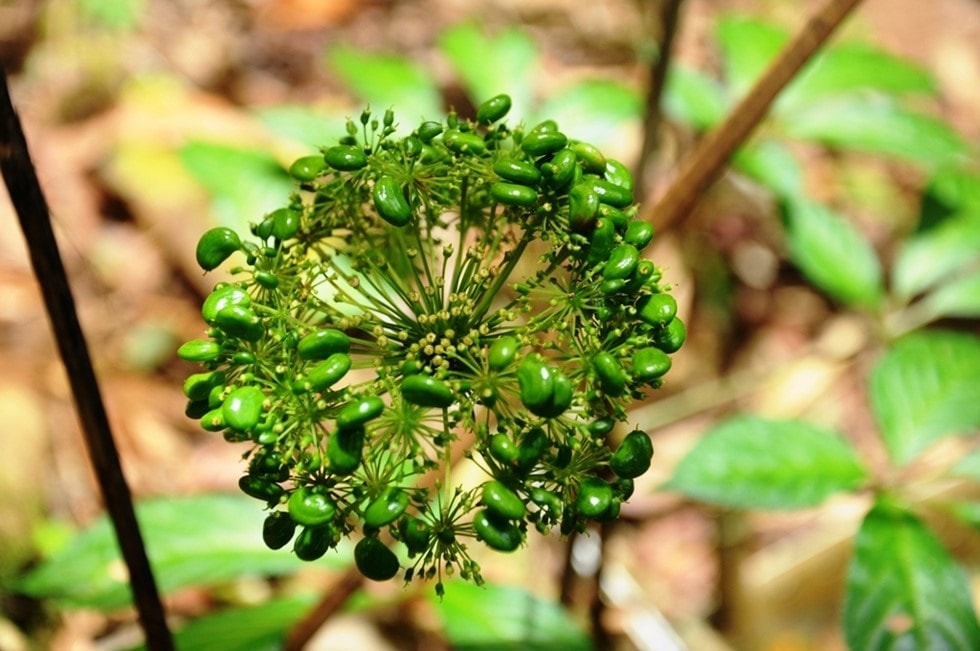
{"x":332,"y":601}
{"x":32,"y":212}
{"x":712,"y":153}
{"x":669,"y":14}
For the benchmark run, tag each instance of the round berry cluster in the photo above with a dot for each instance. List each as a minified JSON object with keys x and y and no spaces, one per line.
{"x":467,"y":289}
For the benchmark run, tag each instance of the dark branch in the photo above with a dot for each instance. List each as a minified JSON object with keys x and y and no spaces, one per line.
{"x":668,"y":19}
{"x":32,"y":212}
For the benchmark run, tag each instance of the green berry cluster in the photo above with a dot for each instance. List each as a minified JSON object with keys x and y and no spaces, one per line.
{"x":467,"y":287}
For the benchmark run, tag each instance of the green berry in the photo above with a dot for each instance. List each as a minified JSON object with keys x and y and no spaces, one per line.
{"x":216,"y":246}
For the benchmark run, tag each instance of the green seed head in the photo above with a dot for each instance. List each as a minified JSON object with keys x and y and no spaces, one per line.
{"x":471,"y":281}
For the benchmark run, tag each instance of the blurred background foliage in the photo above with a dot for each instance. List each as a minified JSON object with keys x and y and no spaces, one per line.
{"x":851,"y":218}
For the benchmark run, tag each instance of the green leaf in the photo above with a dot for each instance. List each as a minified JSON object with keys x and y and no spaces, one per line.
{"x":199,"y":540}
{"x":936,"y":255}
{"x":958,"y":298}
{"x":248,"y":628}
{"x":748,"y":46}
{"x":851,"y":67}
{"x":771,"y":164}
{"x":876,"y":125}
{"x":925,"y":387}
{"x":904,"y":591}
{"x":693,"y":98}
{"x":600,"y":112}
{"x":387,"y":81}
{"x":832,"y":253}
{"x":490,"y":65}
{"x":749,"y":462}
{"x":244,"y":183}
{"x":968,"y":466}
{"x":119,"y":16}
{"x":951,"y":190}
{"x":302,"y":124}
{"x":478,"y":618}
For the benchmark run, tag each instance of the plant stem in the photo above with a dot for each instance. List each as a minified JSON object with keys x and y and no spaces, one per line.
{"x":333,"y":600}
{"x":501,"y":278}
{"x":712,"y":153}
{"x":34,"y":216}
{"x":668,"y":18}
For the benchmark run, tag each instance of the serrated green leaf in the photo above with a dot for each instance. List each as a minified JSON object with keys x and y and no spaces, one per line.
{"x":748,"y":46}
{"x":904,"y":591}
{"x":199,"y":540}
{"x":477,"y":618}
{"x":244,"y":183}
{"x":597,"y":111}
{"x":693,"y":98}
{"x":771,"y":164}
{"x":386,"y":81}
{"x":925,"y":387}
{"x":877,"y":125}
{"x":968,"y":466}
{"x":936,"y":255}
{"x":852,"y":67}
{"x":490,"y":65}
{"x":832,"y":254}
{"x":749,"y":462}
{"x":302,"y":124}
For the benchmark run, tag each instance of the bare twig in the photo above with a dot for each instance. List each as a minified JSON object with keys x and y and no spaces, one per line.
{"x":708,"y":159}
{"x":669,"y":14}
{"x":331,"y":602}
{"x":32,"y":212}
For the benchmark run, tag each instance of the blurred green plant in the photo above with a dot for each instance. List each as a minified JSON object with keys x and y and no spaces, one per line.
{"x":904,"y":590}
{"x":923,"y":389}
{"x":85,"y":570}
